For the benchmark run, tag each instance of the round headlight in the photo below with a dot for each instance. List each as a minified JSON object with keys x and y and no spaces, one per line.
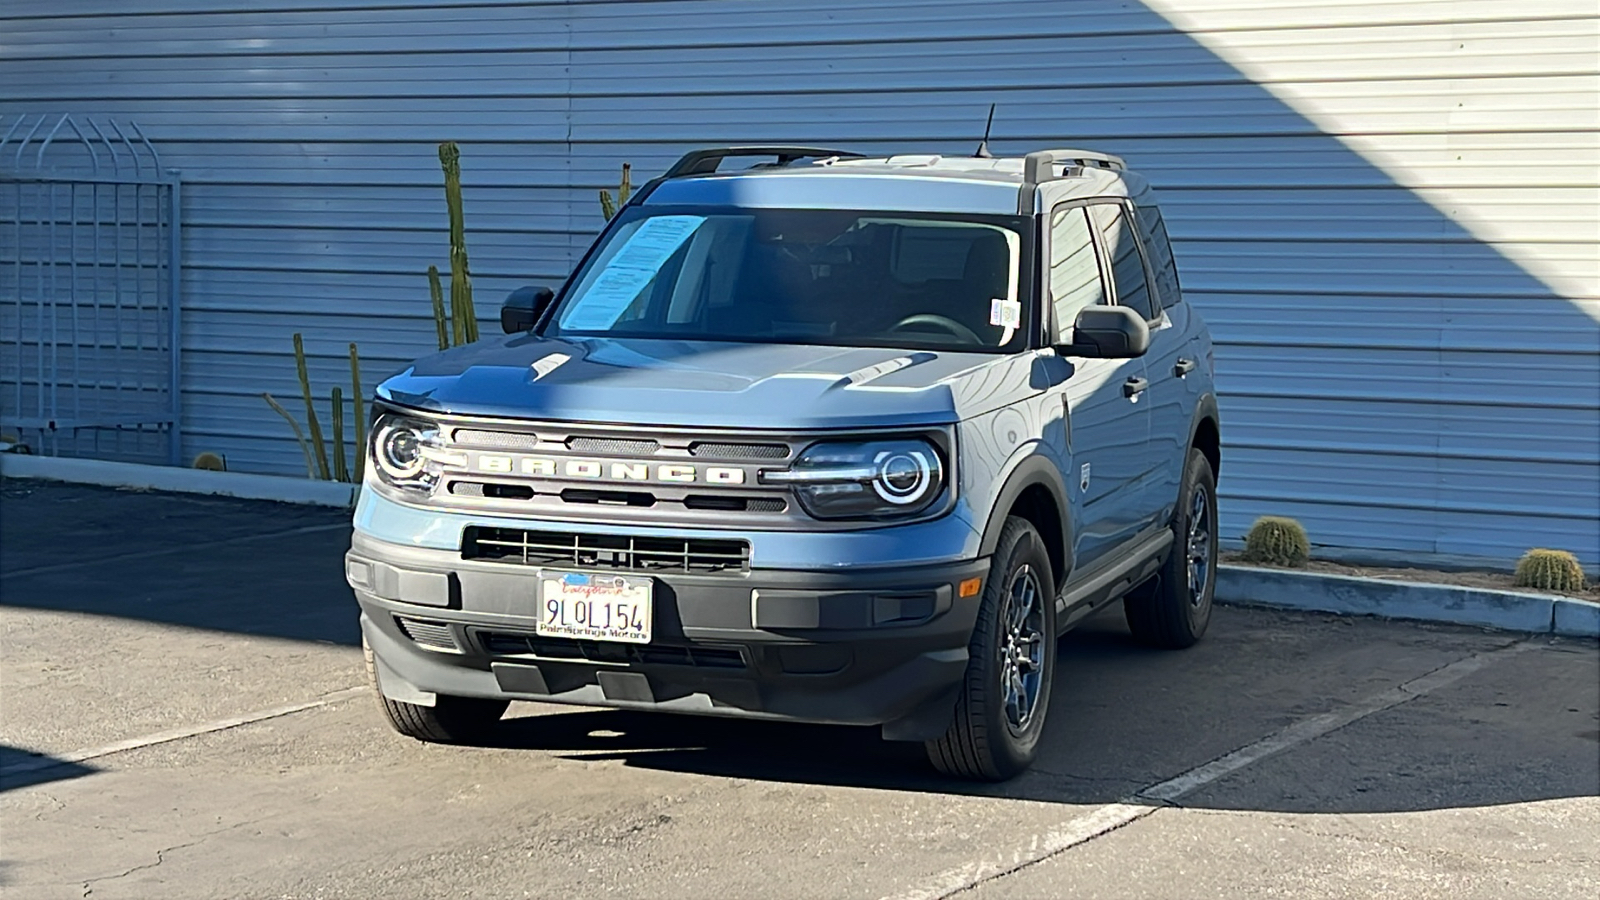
{"x":903,"y":475}
{"x":399,"y":446}
{"x":876,"y":479}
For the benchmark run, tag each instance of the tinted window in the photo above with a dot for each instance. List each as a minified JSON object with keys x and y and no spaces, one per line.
{"x":1160,"y":249}
{"x":1127,"y":266}
{"x":1074,"y":268}
{"x":849,"y":278}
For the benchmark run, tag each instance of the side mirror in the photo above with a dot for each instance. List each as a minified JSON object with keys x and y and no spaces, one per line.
{"x":1108,"y":332}
{"x":522,"y":309}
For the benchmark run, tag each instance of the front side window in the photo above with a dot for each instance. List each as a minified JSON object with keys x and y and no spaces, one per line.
{"x":1075,"y":280}
{"x":1127,"y":266}
{"x":847,"y":278}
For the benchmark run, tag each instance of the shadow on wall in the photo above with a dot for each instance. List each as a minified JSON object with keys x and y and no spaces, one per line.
{"x":1387,"y":377}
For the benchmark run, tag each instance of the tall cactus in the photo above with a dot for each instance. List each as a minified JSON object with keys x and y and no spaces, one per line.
{"x":311,"y":467}
{"x":359,"y":451}
{"x":462,"y":314}
{"x":341,"y":471}
{"x":441,"y":322}
{"x":311,"y":410}
{"x":608,"y":207}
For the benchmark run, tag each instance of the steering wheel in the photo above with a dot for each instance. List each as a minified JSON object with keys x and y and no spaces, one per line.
{"x":956,"y":329}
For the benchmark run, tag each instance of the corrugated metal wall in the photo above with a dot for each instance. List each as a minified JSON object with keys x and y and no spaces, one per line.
{"x":1388,"y":212}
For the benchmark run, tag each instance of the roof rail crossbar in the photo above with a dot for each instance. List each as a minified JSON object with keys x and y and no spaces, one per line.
{"x":705,"y":162}
{"x":1036,"y":170}
{"x":1036,"y":165}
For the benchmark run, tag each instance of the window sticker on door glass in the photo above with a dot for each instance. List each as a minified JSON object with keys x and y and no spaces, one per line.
{"x":629,"y":271}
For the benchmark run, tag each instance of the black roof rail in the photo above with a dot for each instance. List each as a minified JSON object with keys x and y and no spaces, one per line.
{"x":706,"y":161}
{"x":1036,"y":170}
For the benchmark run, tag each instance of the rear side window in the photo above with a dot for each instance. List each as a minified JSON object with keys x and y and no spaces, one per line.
{"x":1160,"y":250}
{"x":1127,"y":266}
{"x":1074,"y":267}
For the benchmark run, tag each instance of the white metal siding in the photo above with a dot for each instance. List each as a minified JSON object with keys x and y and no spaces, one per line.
{"x":1387,"y":212}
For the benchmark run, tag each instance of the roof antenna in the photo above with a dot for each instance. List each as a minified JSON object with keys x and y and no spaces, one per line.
{"x":983,"y":146}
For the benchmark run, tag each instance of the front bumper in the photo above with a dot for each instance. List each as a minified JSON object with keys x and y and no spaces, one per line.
{"x":880,"y":646}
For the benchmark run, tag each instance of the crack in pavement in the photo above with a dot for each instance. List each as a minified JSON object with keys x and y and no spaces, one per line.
{"x":160,"y":858}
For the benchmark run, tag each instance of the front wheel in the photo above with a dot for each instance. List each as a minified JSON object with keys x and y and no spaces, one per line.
{"x":1173,"y":609}
{"x":1001,"y":709}
{"x":451,"y":720}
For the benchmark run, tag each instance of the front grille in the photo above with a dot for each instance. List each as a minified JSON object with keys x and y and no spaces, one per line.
{"x":735,"y":504}
{"x":564,"y":649}
{"x":612,"y":446}
{"x":722,"y":450}
{"x":503,"y":440}
{"x":606,"y":551}
{"x":433,"y":635}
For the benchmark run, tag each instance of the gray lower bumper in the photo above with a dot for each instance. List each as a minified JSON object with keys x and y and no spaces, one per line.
{"x":862,"y":647}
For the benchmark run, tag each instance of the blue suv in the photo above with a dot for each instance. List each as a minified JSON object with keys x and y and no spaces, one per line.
{"x":826,"y":438}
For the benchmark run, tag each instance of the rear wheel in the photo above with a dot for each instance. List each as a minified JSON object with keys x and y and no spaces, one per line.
{"x":451,"y":720}
{"x":1001,"y":709}
{"x":1173,"y":609}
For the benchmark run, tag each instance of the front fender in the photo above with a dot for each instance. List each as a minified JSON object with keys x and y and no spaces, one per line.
{"x":1029,"y":468}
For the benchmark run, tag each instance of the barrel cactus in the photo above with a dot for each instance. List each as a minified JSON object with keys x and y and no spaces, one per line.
{"x":212,"y":462}
{"x":1277,"y":541}
{"x":1549,"y":570}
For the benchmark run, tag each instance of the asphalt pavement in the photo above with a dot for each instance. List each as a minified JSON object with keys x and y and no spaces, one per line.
{"x":183,"y":713}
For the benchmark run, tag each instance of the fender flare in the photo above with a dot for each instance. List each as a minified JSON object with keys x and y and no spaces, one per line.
{"x":1035,"y":469}
{"x":1206,"y":408}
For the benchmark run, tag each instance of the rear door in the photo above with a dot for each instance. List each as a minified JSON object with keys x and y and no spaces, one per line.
{"x":1108,"y":427}
{"x":1131,"y":287}
{"x":1174,"y":361}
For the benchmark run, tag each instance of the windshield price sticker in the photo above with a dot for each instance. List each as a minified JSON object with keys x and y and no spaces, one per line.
{"x":594,"y":607}
{"x":1005,"y":313}
{"x":630,"y":271}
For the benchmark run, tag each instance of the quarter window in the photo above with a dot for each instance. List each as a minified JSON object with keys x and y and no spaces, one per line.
{"x":1075,"y":280}
{"x":1127,"y":266}
{"x":1160,"y":249}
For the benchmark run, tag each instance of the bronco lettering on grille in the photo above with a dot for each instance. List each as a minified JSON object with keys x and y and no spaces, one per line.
{"x":604,"y":470}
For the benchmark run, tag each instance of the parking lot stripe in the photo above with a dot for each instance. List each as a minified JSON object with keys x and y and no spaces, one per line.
{"x":187,"y":548}
{"x":1111,"y":816}
{"x":176,"y":734}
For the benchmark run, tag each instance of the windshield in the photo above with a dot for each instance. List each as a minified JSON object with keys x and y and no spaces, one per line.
{"x":803,"y":276}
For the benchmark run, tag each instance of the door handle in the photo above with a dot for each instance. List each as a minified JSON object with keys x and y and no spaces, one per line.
{"x":1183,"y":367}
{"x":1134,"y":386}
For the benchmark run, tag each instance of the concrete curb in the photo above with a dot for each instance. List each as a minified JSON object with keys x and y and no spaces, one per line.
{"x":187,"y":481}
{"x":1453,"y":604}
{"x":1576,"y":618}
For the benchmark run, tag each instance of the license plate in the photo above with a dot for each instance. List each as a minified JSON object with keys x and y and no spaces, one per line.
{"x":594,"y":606}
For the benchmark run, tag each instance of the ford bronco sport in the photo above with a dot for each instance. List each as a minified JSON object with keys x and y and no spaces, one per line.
{"x":829,"y":439}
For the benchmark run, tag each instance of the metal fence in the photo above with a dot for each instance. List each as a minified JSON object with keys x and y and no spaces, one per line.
{"x":89,"y":290}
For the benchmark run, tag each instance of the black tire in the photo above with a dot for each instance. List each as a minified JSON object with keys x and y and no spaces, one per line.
{"x":1169,"y":611}
{"x":451,"y":720}
{"x":986,"y":741}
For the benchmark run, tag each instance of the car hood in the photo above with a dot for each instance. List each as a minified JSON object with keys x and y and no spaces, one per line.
{"x":707,"y":383}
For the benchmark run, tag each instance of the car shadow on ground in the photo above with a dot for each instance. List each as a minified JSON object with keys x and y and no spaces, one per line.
{"x":1124,"y":717}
